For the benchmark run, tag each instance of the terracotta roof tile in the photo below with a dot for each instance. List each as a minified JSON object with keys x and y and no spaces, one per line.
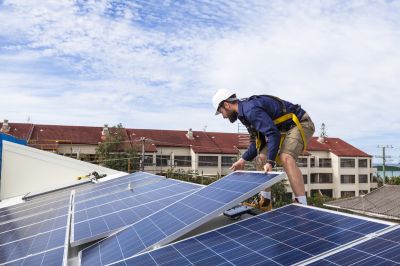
{"x":202,"y":142}
{"x":337,"y":147}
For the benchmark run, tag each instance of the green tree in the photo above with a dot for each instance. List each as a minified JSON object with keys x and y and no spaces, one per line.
{"x":279,"y":194}
{"x":114,"y":153}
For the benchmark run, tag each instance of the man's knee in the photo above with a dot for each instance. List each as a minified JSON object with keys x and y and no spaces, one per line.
{"x":287,"y":159}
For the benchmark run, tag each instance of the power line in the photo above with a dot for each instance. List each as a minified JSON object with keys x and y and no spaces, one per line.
{"x":384,"y":157}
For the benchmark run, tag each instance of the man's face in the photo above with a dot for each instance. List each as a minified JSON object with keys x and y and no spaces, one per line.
{"x":227,"y":112}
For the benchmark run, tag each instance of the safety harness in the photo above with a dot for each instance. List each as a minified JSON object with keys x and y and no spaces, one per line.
{"x":285,"y":117}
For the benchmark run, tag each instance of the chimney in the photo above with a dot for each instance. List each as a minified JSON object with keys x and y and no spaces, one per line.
{"x":189,"y":134}
{"x":5,"y":128}
{"x":322,"y":136}
{"x":105,"y":132}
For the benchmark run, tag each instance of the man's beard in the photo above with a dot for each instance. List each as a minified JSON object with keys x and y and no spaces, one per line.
{"x":233,"y":116}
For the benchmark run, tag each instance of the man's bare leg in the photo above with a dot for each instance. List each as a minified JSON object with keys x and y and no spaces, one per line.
{"x":295,"y":177}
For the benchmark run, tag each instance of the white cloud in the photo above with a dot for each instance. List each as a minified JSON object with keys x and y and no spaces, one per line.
{"x":156,"y":65}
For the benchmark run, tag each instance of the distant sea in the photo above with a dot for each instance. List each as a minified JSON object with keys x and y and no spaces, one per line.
{"x":389,"y":173}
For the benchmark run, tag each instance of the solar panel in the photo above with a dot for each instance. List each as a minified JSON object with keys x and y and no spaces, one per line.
{"x":21,"y":244}
{"x":117,"y":184}
{"x":113,"y":212}
{"x":37,"y":232}
{"x":49,"y":257}
{"x":383,"y":249}
{"x":285,"y":236}
{"x":179,"y":218}
{"x":58,"y":200}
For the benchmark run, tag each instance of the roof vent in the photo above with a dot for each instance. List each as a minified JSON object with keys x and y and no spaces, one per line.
{"x":189,"y":134}
{"x":5,"y":128}
{"x":105,"y":132}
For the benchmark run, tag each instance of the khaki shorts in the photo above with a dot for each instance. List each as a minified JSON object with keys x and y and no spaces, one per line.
{"x":293,"y":143}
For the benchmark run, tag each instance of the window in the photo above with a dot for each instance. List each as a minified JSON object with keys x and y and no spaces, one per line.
{"x":183,"y":161}
{"x":347,"y":163}
{"x":325,"y":162}
{"x":363,"y":192}
{"x":373,"y":179}
{"x":305,"y":179}
{"x":324,"y":192}
{"x":322,"y":178}
{"x":347,"y":179}
{"x":312,"y":162}
{"x":148,"y":160}
{"x":325,"y":178}
{"x":302,"y":162}
{"x":347,"y":194}
{"x":228,"y":160}
{"x":363,"y":178}
{"x":314,"y":178}
{"x":363,"y":163}
{"x":162,"y":160}
{"x":208,"y":160}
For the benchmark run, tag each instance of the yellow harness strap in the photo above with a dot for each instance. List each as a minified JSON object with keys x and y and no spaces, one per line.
{"x":296,"y":120}
{"x":280,"y":120}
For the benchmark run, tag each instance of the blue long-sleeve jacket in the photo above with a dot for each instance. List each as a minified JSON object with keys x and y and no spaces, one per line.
{"x":257,"y":114}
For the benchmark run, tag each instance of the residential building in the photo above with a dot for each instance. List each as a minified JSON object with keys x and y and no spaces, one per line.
{"x":330,"y":166}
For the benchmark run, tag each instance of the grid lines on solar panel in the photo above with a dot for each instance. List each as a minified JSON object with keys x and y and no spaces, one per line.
{"x":100,"y":221}
{"x":35,"y":207}
{"x":381,"y":250}
{"x":59,"y":200}
{"x":285,"y":236}
{"x":178,"y":218}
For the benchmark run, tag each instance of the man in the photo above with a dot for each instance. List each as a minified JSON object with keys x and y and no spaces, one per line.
{"x":266,"y":117}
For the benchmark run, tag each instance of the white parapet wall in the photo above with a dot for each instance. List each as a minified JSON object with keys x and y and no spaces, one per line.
{"x":29,"y":170}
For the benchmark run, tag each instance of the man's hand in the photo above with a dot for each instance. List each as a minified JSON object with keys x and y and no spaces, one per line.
{"x":267,"y":167}
{"x":239,"y":165}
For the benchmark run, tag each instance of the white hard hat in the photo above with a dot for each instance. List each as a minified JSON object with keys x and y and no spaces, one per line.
{"x":220,"y":96}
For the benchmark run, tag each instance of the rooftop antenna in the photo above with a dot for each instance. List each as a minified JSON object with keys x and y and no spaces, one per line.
{"x":322,"y":136}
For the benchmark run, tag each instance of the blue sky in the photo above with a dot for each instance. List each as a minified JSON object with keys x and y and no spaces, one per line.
{"x":156,"y":64}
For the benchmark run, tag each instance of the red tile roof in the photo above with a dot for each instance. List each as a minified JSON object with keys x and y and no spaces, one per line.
{"x":202,"y":142}
{"x":336,"y":146}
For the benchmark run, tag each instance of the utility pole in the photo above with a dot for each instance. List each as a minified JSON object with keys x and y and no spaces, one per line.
{"x":143,"y":141}
{"x":384,"y":157}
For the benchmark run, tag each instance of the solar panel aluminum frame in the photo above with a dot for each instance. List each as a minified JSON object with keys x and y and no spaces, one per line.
{"x":392,"y":226}
{"x":280,"y":176}
{"x":74,"y":243}
{"x":68,"y":229}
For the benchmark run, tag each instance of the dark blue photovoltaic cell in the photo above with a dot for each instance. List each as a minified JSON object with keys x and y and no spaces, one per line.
{"x":129,"y":197}
{"x":50,"y":257}
{"x":268,"y":239}
{"x":56,"y":200}
{"x":30,"y":220}
{"x":178,"y":217}
{"x":31,"y":230}
{"x":384,"y":249}
{"x":31,"y":245}
{"x":34,"y":233}
{"x":115,"y":211}
{"x":104,"y":225}
{"x":114,"y":185}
